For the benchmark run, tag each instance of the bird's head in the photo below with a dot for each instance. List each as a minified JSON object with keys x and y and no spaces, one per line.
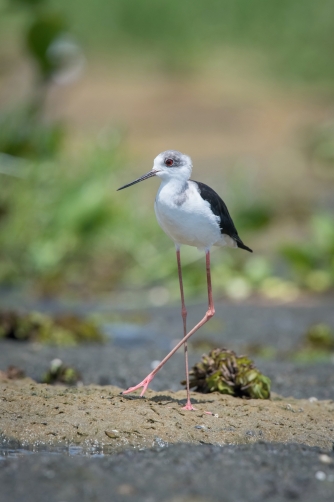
{"x":170,"y":164}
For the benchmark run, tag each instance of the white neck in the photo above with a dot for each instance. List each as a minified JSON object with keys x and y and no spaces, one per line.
{"x":174,"y":184}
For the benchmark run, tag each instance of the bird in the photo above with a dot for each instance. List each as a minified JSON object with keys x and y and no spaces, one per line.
{"x":190,"y":213}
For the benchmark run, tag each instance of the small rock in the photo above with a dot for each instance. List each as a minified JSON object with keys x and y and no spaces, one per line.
{"x":160,"y":442}
{"x":250,"y":433}
{"x":313,"y":399}
{"x":112,"y":434}
{"x":155,"y":364}
{"x":320,"y":476}
{"x":325,"y":459}
{"x":125,"y":489}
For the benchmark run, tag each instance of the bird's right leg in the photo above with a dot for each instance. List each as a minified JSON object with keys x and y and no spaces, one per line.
{"x":188,"y":406}
{"x":210,"y":313}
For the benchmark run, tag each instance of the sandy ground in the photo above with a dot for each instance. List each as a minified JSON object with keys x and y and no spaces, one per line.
{"x":37,"y":413}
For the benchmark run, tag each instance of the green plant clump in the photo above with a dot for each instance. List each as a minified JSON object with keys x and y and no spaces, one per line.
{"x":225,"y":372}
{"x":66,"y":330}
{"x":59,"y":373}
{"x":321,"y":337}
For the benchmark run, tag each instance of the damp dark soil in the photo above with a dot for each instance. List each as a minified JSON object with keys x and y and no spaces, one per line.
{"x":178,"y":473}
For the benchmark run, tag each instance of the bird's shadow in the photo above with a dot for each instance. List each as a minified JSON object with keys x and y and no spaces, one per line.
{"x":164,"y":400}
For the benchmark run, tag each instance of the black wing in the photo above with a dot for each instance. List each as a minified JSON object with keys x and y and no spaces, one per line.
{"x":219,"y":208}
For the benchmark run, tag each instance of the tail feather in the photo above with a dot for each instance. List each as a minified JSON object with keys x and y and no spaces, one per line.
{"x":241,"y":245}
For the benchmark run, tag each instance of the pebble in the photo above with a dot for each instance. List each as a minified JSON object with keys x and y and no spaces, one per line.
{"x":125,"y":489}
{"x":155,"y":364}
{"x":325,"y":459}
{"x":320,"y":476}
{"x":160,"y":442}
{"x":112,"y":434}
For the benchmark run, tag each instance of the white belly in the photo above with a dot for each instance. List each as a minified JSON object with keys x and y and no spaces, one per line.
{"x":188,"y":219}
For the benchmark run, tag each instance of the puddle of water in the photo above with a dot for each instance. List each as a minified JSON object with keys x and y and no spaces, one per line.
{"x":13,"y":451}
{"x":10,"y":448}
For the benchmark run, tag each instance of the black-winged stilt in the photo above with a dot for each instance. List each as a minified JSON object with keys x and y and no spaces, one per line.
{"x":190,"y":213}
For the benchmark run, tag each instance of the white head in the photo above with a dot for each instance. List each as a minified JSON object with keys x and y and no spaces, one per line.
{"x":170,"y":164}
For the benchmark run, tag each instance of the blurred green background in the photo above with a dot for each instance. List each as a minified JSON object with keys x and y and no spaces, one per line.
{"x":91,"y":92}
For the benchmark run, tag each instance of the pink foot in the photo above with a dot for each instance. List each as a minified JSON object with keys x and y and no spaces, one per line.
{"x":145,"y":383}
{"x":189,"y":407}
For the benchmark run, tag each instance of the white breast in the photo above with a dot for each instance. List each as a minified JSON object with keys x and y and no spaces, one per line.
{"x":186,"y":217}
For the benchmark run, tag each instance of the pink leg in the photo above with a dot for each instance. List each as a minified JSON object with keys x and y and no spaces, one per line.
{"x":188,"y":406}
{"x":210,"y":313}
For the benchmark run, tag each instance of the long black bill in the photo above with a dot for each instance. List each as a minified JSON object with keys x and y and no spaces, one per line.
{"x":142,"y":178}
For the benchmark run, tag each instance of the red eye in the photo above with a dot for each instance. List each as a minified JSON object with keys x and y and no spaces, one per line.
{"x":169,"y":162}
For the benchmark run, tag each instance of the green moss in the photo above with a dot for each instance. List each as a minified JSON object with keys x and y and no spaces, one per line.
{"x":68,"y":330}
{"x":316,"y":345}
{"x":225,"y":372}
{"x":308,"y":355}
{"x":320,"y":336}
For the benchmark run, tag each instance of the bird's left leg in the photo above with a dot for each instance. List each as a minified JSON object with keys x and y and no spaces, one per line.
{"x":188,"y":406}
{"x":210,"y":313}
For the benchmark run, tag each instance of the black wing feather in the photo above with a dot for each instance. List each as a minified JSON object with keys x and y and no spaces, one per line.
{"x":219,"y":208}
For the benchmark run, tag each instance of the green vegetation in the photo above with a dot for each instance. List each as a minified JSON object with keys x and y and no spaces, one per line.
{"x":294,"y":37}
{"x":225,"y":372}
{"x":316,"y":345}
{"x":24,"y":130}
{"x":312,"y":262}
{"x":59,"y":373}
{"x":67,"y":330}
{"x":68,"y":229}
{"x":320,"y":336}
{"x":62,"y":225}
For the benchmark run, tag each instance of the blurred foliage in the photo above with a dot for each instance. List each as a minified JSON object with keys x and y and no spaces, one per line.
{"x":24,"y":132}
{"x":69,"y":228}
{"x":56,"y":219}
{"x":319,"y":149}
{"x":59,"y":373}
{"x":225,"y":372}
{"x":295,"y":36}
{"x":44,"y":31}
{"x":320,"y":336}
{"x":311,"y":262}
{"x":316,"y":345}
{"x":61,"y":222}
{"x":67,"y":330}
{"x":255,"y":217}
